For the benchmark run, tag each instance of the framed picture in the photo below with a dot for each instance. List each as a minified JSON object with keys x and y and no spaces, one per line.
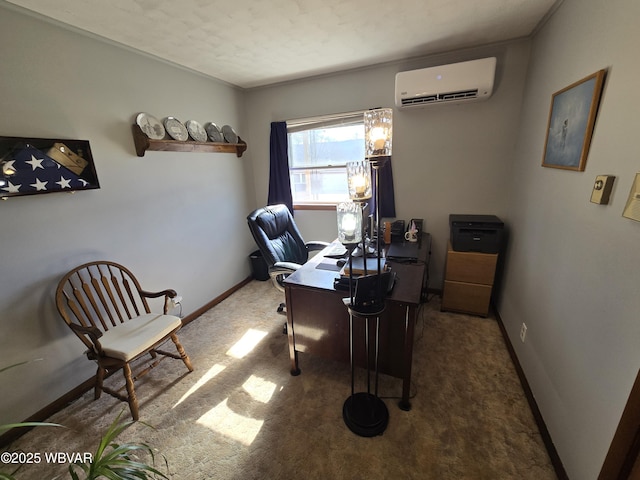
{"x":632,"y":208}
{"x":571,"y":120}
{"x":31,"y":166}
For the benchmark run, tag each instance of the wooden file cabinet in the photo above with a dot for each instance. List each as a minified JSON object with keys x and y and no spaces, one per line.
{"x":468,"y":281}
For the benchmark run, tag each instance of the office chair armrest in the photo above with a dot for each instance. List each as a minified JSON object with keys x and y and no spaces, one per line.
{"x":285,"y":268}
{"x":280,"y":270}
{"x":316,"y":245}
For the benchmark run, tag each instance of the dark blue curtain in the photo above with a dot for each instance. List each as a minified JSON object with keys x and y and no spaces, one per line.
{"x":387,"y":196}
{"x":279,"y":182}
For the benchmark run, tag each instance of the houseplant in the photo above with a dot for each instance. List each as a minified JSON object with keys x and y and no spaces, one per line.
{"x":111,"y":460}
{"x":117,"y":461}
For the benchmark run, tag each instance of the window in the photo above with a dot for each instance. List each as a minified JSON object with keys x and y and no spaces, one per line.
{"x":319,"y":150}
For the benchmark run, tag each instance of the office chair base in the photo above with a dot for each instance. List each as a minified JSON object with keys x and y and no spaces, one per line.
{"x":282,"y":309}
{"x":365,"y":414}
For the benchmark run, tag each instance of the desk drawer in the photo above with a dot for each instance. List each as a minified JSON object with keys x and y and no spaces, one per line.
{"x":471,"y":267}
{"x":466,"y":297}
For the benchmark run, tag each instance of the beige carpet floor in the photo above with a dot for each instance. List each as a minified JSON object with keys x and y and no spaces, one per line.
{"x":241,"y":415}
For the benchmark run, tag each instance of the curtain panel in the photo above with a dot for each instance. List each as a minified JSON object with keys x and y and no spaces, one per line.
{"x":279,"y":181}
{"x":387,"y":194}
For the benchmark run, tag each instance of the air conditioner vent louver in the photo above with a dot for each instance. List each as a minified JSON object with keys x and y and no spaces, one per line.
{"x":455,"y":83}
{"x":442,"y":97}
{"x":456,"y":95}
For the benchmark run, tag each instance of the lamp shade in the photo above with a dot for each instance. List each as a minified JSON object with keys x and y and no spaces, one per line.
{"x":349,"y":223}
{"x":359,"y":180}
{"x":378,"y":132}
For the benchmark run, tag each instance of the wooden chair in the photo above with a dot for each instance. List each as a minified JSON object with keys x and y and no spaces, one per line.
{"x":103,"y":304}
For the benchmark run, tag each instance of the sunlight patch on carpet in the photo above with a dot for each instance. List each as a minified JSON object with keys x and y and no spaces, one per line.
{"x":260,"y":389}
{"x":225,"y":421}
{"x":212,"y":372}
{"x":247,"y":343}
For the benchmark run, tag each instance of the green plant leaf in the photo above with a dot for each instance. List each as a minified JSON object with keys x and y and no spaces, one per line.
{"x":115,"y":461}
{"x":9,"y":426}
{"x":20,"y":363}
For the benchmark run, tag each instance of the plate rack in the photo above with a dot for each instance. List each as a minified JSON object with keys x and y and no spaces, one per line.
{"x":144,"y":143}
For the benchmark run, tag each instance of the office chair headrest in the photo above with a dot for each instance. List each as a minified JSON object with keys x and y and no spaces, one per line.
{"x":274,"y":220}
{"x":277,"y":235}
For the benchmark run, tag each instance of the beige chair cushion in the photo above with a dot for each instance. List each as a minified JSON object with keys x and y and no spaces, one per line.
{"x":137,"y":335}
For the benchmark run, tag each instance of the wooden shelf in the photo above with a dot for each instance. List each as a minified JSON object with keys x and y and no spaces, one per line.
{"x":144,"y":143}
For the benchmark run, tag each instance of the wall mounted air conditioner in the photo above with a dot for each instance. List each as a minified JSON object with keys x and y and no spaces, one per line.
{"x":453,"y":83}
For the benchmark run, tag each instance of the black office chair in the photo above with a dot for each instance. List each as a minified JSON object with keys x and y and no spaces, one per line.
{"x":280,"y":242}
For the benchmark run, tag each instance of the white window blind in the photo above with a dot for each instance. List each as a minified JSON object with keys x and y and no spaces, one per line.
{"x":319,"y":149}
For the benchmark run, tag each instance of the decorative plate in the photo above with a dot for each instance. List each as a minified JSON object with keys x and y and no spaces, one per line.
{"x":196,"y":131}
{"x":215,"y":135}
{"x":150,"y":125}
{"x":176,"y":129}
{"x":229,"y":134}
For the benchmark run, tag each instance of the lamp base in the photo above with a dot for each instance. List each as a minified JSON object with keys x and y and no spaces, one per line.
{"x":365,"y":414}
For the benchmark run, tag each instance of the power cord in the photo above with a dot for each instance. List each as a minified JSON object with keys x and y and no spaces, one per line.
{"x":172,"y":303}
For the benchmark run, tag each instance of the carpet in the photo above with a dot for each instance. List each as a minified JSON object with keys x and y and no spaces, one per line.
{"x":241,"y":415}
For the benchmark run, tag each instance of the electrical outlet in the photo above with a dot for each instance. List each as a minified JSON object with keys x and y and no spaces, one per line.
{"x":523,"y":332}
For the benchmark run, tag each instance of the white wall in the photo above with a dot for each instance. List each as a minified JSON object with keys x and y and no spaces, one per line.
{"x":167,"y":216}
{"x":446,"y":158}
{"x":572,"y":268}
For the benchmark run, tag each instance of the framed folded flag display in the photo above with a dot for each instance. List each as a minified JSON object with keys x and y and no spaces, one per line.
{"x":39,"y":165}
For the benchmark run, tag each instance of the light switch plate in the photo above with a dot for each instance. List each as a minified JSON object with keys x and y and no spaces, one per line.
{"x":632,"y":208}
{"x":602,"y":189}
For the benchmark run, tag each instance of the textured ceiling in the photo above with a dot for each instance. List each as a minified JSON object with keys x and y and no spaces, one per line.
{"x":251,"y":43}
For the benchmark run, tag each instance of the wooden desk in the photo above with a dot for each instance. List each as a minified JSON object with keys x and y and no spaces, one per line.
{"x":318,"y":321}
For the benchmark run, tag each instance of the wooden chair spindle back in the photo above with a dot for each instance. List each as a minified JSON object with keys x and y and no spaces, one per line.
{"x":101,"y":295}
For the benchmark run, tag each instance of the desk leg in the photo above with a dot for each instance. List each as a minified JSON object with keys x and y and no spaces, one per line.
{"x":293,"y":355}
{"x":409,"y":329}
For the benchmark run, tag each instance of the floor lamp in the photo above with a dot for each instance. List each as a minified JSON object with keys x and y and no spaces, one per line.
{"x":365,"y":413}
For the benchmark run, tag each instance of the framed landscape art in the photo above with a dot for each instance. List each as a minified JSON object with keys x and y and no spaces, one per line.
{"x":571,"y":120}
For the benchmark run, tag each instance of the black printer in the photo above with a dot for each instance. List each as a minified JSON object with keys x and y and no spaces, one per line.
{"x":476,"y":233}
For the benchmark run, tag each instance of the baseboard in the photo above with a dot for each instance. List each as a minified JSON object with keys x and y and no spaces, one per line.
{"x":11,"y":435}
{"x":195,"y":314}
{"x":533,"y":405}
{"x":72,"y":395}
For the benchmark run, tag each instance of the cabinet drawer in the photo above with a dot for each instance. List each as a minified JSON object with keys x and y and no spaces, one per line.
{"x":466,"y":297}
{"x":471,"y":267}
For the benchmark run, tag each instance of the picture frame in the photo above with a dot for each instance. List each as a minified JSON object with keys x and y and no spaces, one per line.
{"x":632,"y":207}
{"x":30,"y":166}
{"x":572,"y":118}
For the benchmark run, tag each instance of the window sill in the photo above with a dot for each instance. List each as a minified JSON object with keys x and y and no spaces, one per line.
{"x":315,"y":206}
